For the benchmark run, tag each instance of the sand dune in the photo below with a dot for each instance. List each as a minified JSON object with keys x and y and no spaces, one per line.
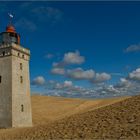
{"x":80,"y":119}
{"x":46,"y":109}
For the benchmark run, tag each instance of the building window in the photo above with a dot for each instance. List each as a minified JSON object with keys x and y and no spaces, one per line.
{"x":21,"y":66}
{"x":0,"y":79}
{"x":3,"y":53}
{"x":22,"y":108}
{"x":23,"y":56}
{"x":21,"y":79}
{"x":18,"y":54}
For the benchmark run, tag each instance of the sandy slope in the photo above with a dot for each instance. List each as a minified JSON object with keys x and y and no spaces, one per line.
{"x":46,"y":109}
{"x":85,"y":119}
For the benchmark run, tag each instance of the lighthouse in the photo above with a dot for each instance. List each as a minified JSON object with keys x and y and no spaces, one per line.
{"x":15,"y":100}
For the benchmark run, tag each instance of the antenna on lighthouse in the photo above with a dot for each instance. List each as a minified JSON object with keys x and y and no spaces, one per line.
{"x":10,"y":18}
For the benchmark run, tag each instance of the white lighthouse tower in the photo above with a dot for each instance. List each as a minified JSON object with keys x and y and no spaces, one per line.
{"x":15,"y":101}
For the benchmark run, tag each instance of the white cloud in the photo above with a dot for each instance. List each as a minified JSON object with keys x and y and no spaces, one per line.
{"x":126,"y":86}
{"x":68,"y":89}
{"x":59,"y":71}
{"x":38,"y":81}
{"x":59,"y":64}
{"x":68,"y":83}
{"x":80,"y":74}
{"x":70,"y":58}
{"x":101,"y":77}
{"x":58,"y":85}
{"x":76,"y":91}
{"x":123,"y":83}
{"x":129,"y":85}
{"x":133,"y":48}
{"x":64,"y":86}
{"x":110,"y":90}
{"x":73,"y":58}
{"x":135,"y":75}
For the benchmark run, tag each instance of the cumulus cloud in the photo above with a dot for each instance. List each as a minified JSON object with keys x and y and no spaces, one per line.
{"x":129,"y":85}
{"x":68,"y":89}
{"x":58,"y":86}
{"x":135,"y":75}
{"x":68,"y":83}
{"x":123,"y":83}
{"x":59,"y":71}
{"x":127,"y":88}
{"x":73,"y":58}
{"x":111,"y":90}
{"x":38,"y":81}
{"x":64,"y":86}
{"x":59,"y":64}
{"x":80,"y":74}
{"x":70,"y":58}
{"x":133,"y":48}
{"x":101,"y":77}
{"x":99,"y":91}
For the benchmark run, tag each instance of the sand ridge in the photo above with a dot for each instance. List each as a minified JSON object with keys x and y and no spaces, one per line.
{"x":46,"y":109}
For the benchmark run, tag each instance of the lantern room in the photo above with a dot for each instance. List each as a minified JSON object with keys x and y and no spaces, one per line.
{"x":9,"y":36}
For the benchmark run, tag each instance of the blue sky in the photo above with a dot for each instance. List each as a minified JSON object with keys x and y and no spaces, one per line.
{"x":79,"y":46}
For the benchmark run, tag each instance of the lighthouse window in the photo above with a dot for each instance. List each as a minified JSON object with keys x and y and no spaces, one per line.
{"x":22,"y":108}
{"x":3,"y":53}
{"x":0,"y":79}
{"x":20,"y":66}
{"x":21,"y":79}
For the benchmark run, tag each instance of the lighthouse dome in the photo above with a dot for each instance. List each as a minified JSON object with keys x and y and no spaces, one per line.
{"x":10,"y":28}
